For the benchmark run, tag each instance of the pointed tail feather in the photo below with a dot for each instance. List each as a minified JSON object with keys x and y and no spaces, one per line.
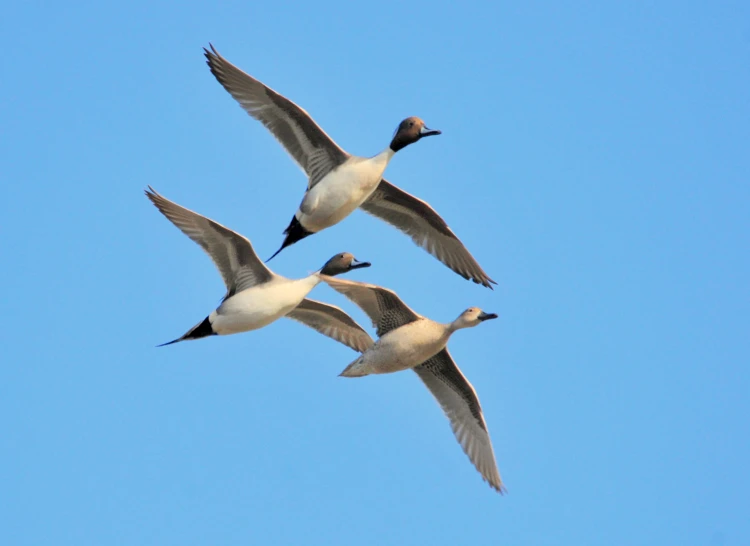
{"x":283,"y":246}
{"x":294,"y":232}
{"x":170,"y":342}
{"x":198,"y":331}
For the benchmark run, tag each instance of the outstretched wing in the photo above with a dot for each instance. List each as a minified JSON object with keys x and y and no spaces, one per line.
{"x":310,"y":147}
{"x":460,"y":403}
{"x":426,"y":228}
{"x":232,"y":253}
{"x":331,"y":321}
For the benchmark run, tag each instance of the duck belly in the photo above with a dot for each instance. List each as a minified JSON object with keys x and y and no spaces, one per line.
{"x":257,"y":307}
{"x":339,"y":194}
{"x":400,"y":349}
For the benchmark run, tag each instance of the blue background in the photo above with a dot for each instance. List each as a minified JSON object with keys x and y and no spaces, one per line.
{"x":594,"y":158}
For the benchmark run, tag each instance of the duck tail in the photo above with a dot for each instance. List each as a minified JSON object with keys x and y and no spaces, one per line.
{"x":294,"y":232}
{"x":202,"y":329}
{"x":355,"y":369}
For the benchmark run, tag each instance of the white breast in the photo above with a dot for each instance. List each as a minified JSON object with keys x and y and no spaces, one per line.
{"x":343,"y":190}
{"x":260,"y":305}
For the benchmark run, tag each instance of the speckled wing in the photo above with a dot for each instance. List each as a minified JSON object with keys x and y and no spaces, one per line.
{"x":310,"y":147}
{"x":426,"y":228}
{"x":460,"y":403}
{"x":331,"y":321}
{"x":383,"y":306}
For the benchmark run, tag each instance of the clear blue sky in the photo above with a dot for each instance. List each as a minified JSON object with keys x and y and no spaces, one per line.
{"x":595,"y":159}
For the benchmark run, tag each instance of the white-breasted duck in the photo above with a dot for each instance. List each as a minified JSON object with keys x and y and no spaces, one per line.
{"x":338,"y":182}
{"x":256,"y":296}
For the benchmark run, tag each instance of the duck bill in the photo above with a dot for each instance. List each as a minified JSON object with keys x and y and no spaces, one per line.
{"x":359,"y":265}
{"x":487,"y":316}
{"x":426,"y":131}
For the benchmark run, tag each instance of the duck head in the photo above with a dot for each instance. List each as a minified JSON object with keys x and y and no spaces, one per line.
{"x":409,"y":131}
{"x":473,"y":316}
{"x":342,"y":263}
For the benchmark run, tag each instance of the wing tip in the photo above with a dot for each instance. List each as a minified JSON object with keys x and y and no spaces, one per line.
{"x":500,"y":488}
{"x":493,"y":479}
{"x":211,"y":55}
{"x":215,"y":62}
{"x":485,"y":281}
{"x":155,"y":197}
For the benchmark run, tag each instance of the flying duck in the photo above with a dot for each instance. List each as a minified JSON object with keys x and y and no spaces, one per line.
{"x":339,"y":182}
{"x":256,"y":296}
{"x":408,"y":340}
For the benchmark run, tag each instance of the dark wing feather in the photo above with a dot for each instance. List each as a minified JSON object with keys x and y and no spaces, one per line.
{"x":459,"y":401}
{"x":426,"y":228}
{"x":310,"y":147}
{"x":383,"y":306}
{"x":232,"y":253}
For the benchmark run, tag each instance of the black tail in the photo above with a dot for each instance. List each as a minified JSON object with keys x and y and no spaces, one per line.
{"x":294,"y":233}
{"x":202,"y":330}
